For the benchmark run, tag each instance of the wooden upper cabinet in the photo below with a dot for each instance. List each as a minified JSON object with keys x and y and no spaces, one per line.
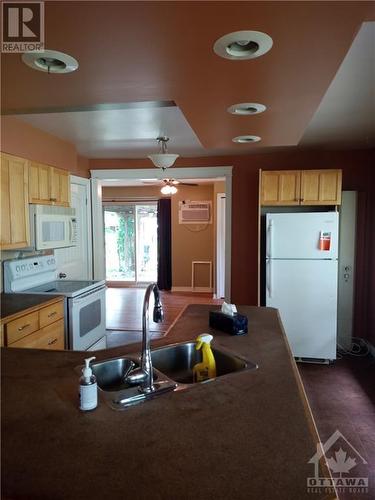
{"x":48,"y":185}
{"x":40,"y":183}
{"x":300,"y":187}
{"x":14,"y":226}
{"x":321,"y":187}
{"x":280,"y":187}
{"x":60,"y":187}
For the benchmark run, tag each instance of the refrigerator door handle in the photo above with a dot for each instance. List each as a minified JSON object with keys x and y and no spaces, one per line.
{"x":269,"y":240}
{"x":269,"y":278}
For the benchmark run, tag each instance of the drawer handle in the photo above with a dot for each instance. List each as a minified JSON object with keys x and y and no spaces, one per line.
{"x":53,"y":341}
{"x":53,"y":199}
{"x":23,"y":327}
{"x":52,"y":314}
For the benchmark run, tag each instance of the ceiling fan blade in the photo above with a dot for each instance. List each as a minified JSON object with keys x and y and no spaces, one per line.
{"x":152,"y":183}
{"x":187,"y":184}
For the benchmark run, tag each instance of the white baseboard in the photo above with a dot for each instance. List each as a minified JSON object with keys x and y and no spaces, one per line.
{"x":201,"y":289}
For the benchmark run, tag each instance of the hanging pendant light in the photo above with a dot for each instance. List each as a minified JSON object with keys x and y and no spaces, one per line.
{"x":163,"y":159}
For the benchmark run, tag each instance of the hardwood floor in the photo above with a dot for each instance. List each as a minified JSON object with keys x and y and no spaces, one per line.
{"x":124,"y":308}
{"x":342,"y":397}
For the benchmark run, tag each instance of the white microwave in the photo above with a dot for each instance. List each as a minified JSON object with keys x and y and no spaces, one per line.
{"x":52,"y":227}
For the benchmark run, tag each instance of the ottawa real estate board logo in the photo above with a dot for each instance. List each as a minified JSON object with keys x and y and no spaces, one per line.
{"x":347,"y":466}
{"x":22,"y":27}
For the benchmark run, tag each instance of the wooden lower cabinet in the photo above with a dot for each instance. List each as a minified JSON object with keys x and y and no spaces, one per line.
{"x":40,"y":329}
{"x":51,"y":313}
{"x":22,"y":327}
{"x":49,"y":337}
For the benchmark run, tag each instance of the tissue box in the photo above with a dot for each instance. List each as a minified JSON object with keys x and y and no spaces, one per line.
{"x":234,"y":325}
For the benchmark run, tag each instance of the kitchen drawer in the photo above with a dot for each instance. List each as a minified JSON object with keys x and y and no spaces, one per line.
{"x":49,"y":337}
{"x":19,"y":328}
{"x":50,"y":314}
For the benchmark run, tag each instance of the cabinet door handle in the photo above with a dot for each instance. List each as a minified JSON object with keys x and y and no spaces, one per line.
{"x":53,"y":341}
{"x":52,"y":314}
{"x":23,"y":327}
{"x":53,"y":199}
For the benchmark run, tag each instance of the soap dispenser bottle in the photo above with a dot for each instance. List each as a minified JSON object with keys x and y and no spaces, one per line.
{"x":206,"y":369}
{"x":88,"y":388}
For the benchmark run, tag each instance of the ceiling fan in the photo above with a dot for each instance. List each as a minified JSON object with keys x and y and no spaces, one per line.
{"x":168,"y":185}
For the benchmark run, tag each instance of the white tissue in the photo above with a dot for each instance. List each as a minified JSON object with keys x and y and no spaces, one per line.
{"x":229,"y":309}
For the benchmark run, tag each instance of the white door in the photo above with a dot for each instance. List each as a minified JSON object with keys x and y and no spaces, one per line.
{"x":305,"y":293}
{"x":75,"y":262}
{"x":348,"y":216}
{"x":296,"y":236}
{"x":220,"y":246}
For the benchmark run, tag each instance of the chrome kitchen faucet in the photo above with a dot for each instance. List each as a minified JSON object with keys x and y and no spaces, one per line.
{"x":144,"y":375}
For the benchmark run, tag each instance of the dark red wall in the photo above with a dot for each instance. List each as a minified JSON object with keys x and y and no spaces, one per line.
{"x":358,"y":168}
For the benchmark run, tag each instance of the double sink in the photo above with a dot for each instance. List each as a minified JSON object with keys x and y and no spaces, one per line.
{"x":172,"y":369}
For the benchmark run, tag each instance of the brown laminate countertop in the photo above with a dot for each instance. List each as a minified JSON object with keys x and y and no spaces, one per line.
{"x":247,"y":435}
{"x":15,"y":304}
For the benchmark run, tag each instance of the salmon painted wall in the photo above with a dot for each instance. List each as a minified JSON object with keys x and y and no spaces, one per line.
{"x":21,"y":139}
{"x":358,"y":174}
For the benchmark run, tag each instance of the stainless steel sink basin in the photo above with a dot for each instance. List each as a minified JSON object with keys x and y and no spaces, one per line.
{"x":172,"y":366}
{"x":177,"y":361}
{"x":110,"y":374}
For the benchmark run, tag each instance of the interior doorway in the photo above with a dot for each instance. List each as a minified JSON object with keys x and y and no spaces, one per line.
{"x":139,"y":177}
{"x":76,"y":262}
{"x":130,"y":243}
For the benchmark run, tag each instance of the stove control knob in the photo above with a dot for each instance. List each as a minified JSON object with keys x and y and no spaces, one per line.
{"x":23,"y":267}
{"x":18,"y":269}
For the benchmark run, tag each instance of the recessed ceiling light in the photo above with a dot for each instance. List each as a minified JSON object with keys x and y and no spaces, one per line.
{"x":50,"y":61}
{"x":246,"y":108}
{"x":243,"y":45}
{"x":243,"y":139}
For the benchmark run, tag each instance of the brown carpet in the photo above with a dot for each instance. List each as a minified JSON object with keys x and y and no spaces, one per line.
{"x":342,"y":397}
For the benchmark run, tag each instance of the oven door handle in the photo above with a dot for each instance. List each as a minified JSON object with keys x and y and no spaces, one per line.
{"x":81,"y":298}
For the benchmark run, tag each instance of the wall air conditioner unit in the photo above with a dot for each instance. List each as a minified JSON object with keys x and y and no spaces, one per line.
{"x":195,"y":212}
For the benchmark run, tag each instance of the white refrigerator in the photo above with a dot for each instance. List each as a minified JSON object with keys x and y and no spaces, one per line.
{"x":301,"y":280}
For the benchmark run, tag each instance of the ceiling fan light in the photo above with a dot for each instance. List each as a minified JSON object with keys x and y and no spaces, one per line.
{"x":163,"y":160}
{"x":166,"y":189}
{"x":173,"y":189}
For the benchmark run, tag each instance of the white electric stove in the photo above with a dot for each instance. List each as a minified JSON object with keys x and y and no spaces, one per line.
{"x":85,"y":300}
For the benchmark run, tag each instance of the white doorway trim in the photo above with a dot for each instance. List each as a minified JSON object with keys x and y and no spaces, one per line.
{"x":97,"y":178}
{"x":86,"y":183}
{"x":220,"y":245}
